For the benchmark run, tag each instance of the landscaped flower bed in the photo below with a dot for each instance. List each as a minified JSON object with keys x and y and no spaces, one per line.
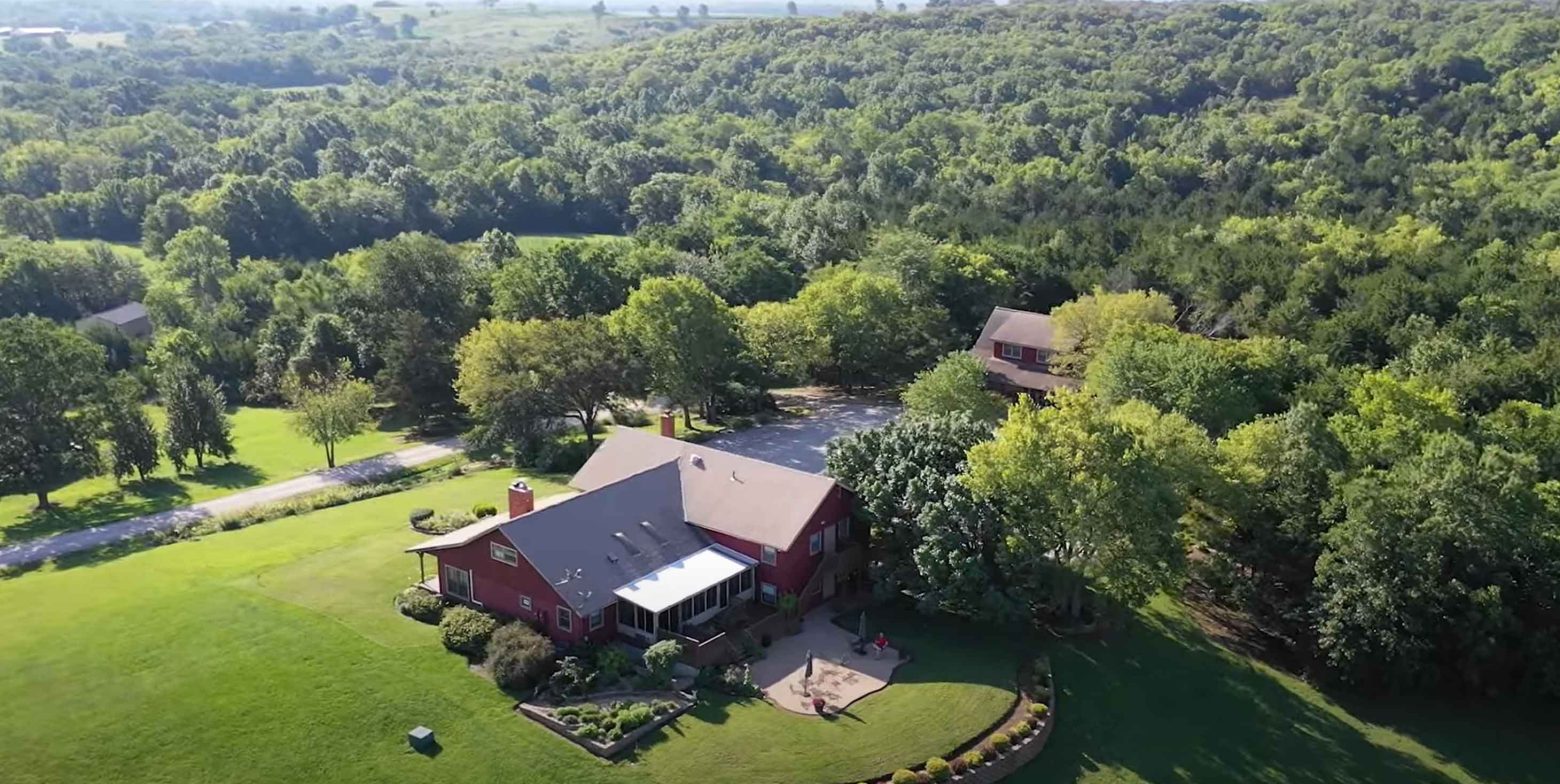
{"x":607,"y":724}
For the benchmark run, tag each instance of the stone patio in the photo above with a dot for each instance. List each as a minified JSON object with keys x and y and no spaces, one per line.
{"x":840,"y":676}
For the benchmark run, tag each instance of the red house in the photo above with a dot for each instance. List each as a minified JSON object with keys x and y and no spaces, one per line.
{"x":1017,"y":347}
{"x":663,"y":535}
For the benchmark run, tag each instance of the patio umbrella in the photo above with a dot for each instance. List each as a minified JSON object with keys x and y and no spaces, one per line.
{"x":807,"y":673}
{"x":861,"y":628}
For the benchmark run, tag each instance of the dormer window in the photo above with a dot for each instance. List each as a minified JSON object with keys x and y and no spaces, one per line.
{"x":1010,"y":351}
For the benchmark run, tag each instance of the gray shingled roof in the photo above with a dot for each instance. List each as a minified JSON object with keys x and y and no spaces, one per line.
{"x":124,"y":314}
{"x":746,"y":498}
{"x":591,"y":544}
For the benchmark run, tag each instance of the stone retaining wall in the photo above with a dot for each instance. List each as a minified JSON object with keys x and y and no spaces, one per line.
{"x":684,"y":702}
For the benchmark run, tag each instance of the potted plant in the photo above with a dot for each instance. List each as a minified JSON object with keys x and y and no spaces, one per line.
{"x":818,"y":705}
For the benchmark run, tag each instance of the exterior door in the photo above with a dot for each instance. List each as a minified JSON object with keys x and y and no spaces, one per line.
{"x":829,"y":535}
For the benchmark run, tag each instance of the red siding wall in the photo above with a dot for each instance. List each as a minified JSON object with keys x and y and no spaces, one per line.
{"x":793,"y":566}
{"x":1031,"y":356}
{"x":497,"y":587}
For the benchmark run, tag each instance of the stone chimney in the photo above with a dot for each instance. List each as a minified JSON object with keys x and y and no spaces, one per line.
{"x":669,"y":424}
{"x":521,"y":498}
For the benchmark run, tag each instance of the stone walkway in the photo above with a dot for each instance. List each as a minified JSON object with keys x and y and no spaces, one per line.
{"x":840,"y":676}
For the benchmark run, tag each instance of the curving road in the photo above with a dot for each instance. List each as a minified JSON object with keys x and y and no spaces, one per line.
{"x":88,"y":538}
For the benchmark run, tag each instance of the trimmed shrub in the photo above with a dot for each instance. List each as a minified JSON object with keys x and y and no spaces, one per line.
{"x":973,"y":758}
{"x":1001,"y":742}
{"x":922,"y":777}
{"x":628,"y":414}
{"x":634,"y":717}
{"x":418,"y":517}
{"x":518,"y":657}
{"x":465,"y":630}
{"x":1023,"y":728}
{"x":939,"y":769}
{"x":448,"y":521}
{"x":418,"y":604}
{"x":612,"y":662}
{"x":1039,"y":709}
{"x":660,"y":658}
{"x":663,"y":707}
{"x":988,"y":751}
{"x":484,"y":510}
{"x":589,"y":732}
{"x":904,"y":776}
{"x":958,"y":766}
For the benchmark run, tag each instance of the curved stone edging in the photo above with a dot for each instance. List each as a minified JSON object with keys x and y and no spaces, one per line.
{"x":1022,"y":752}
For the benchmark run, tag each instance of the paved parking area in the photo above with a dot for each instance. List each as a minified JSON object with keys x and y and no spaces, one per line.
{"x":800,"y":442}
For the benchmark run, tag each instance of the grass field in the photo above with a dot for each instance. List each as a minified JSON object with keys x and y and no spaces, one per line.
{"x":128,"y":250}
{"x":273,"y":654}
{"x":268,"y":451}
{"x":1160,"y":702}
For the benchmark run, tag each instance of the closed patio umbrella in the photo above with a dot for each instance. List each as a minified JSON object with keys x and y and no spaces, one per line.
{"x":807,"y":673}
{"x":861,"y":628}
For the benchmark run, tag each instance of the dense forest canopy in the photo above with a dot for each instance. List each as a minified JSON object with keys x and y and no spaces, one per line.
{"x":1310,"y":252}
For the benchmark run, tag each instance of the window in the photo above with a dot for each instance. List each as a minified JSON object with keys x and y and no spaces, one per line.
{"x":502,"y":553}
{"x":687,"y":608}
{"x":769,"y":555}
{"x":596,"y":620}
{"x":457,"y":582}
{"x":712,"y":597}
{"x":1010,"y":351}
{"x":698,"y":604}
{"x":768,"y":593}
{"x":565,"y":618}
{"x":844,"y":526}
{"x":525,"y":602}
{"x":815,"y":543}
{"x":747,"y":580}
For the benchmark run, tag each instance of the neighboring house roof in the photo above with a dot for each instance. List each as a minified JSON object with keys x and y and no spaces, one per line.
{"x":124,"y":314}
{"x":1020,"y":328}
{"x":749,"y":499}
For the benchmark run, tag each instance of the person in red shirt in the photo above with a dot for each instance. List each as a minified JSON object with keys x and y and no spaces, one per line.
{"x":879,"y":645}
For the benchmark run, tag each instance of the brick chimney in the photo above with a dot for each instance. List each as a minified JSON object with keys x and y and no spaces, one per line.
{"x":669,"y":424}
{"x":521,"y":498}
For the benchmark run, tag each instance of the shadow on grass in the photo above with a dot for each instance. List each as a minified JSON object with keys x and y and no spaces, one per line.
{"x":1162,"y":702}
{"x":1499,"y":741}
{"x":133,"y":499}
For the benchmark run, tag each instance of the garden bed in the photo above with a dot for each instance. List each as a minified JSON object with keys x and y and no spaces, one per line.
{"x":608,"y":723}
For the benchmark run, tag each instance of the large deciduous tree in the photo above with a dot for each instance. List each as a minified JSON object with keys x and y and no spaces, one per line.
{"x":874,"y":331}
{"x":516,"y":378}
{"x":133,"y":446}
{"x":328,"y":409}
{"x":1091,"y":499}
{"x":931,"y":536}
{"x":685,"y":336}
{"x":1084,"y":324}
{"x":197,"y":416}
{"x":956,"y":385}
{"x":49,"y":423}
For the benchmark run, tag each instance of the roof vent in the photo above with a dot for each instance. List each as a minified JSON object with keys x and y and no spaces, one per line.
{"x":611,"y":558}
{"x":696,"y":460}
{"x":627,"y":545}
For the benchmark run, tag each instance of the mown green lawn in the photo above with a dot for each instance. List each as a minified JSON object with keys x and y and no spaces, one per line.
{"x":273,"y":654}
{"x":268,"y":450}
{"x":1160,"y":702}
